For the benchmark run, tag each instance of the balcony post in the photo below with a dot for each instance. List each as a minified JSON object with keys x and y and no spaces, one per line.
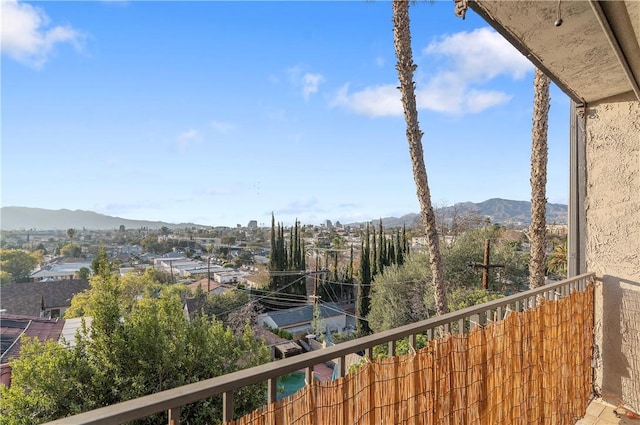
{"x":227,"y":406}
{"x":174,"y":416}
{"x":576,"y":263}
{"x":272,"y":390}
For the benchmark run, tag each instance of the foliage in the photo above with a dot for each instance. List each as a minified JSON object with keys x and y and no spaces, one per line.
{"x":467,"y":297}
{"x":5,"y":277}
{"x":100,"y":265}
{"x":469,"y":247}
{"x":220,"y":305}
{"x":137,"y":345}
{"x":18,"y":263}
{"x":84,"y":273}
{"x":287,"y":258}
{"x":557,"y":261}
{"x":280,"y":332}
{"x":71,"y":250}
{"x":403,"y":294}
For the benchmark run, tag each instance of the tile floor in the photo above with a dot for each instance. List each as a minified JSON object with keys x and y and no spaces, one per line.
{"x":600,"y":412}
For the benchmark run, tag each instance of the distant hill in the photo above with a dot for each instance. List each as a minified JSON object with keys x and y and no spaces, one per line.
{"x":16,"y":218}
{"x":500,"y":211}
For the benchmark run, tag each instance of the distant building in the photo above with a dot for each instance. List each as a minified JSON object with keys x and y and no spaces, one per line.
{"x":253,"y":224}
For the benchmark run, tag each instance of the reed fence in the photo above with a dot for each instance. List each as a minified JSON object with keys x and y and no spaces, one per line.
{"x":532,"y":367}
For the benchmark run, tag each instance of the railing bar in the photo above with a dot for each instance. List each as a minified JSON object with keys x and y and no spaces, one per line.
{"x":272,"y":390}
{"x":341,"y":366}
{"x":391,"y":347}
{"x":413,"y":341}
{"x":474,"y":320}
{"x":227,"y":406}
{"x":174,"y":416}
{"x":483,"y":318}
{"x":163,"y":401}
{"x":499,"y":314}
{"x":461,"y":329}
{"x":309,"y":375}
{"x":368,"y":352}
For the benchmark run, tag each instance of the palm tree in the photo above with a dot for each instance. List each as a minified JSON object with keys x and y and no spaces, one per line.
{"x":405,"y":68}
{"x":538,"y":227}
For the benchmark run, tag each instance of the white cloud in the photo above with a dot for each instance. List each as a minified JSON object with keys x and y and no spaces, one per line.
{"x":471,"y":59}
{"x":223,"y":127}
{"x":27,"y":37}
{"x":480,"y":55}
{"x":187,"y":138}
{"x":377,"y":101}
{"x":308,"y":82}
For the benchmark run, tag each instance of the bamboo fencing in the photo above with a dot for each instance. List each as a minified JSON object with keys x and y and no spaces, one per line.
{"x":532,"y":367}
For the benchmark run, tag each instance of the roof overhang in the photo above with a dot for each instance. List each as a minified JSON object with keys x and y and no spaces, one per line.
{"x":593,"y":55}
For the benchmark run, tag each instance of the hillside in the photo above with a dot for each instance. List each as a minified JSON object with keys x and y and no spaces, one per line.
{"x":500,"y":211}
{"x":16,"y":218}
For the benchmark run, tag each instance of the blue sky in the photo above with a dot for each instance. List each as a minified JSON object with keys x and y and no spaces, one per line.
{"x":218,"y":113}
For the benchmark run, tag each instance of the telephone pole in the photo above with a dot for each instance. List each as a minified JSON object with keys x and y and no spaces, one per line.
{"x":485,"y":265}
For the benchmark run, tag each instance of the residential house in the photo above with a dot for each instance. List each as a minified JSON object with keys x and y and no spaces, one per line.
{"x":13,"y":327}
{"x":40,"y":299}
{"x":299,"y":320}
{"x":59,"y":271}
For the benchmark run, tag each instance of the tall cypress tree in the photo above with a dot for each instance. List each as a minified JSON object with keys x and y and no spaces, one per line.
{"x":364,"y":285}
{"x":374,"y":255}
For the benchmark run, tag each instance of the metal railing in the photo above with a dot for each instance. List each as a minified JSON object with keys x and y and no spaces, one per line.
{"x":460,"y":321}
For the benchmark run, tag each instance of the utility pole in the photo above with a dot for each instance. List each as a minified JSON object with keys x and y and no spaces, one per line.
{"x":208,"y":274}
{"x":485,"y":265}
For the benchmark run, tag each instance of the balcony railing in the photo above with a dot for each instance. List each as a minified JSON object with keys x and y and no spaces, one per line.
{"x":462,"y":322}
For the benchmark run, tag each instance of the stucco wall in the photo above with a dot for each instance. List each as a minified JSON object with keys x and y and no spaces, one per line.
{"x":613,"y":243}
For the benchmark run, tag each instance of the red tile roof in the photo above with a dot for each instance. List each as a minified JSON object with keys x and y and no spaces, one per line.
{"x":12,"y":327}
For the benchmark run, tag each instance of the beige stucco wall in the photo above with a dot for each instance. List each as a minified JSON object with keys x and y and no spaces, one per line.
{"x":613,"y":243}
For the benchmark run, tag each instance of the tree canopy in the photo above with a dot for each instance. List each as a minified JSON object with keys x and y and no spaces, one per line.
{"x":139,"y":342}
{"x":17,"y":264}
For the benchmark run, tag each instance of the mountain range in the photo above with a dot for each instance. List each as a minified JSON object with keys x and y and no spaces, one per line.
{"x":22,"y":218}
{"x":501,"y":211}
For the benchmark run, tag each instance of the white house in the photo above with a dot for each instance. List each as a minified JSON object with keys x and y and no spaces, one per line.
{"x":298,"y":320}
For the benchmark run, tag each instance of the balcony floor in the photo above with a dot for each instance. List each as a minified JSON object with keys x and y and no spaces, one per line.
{"x":600,"y":412}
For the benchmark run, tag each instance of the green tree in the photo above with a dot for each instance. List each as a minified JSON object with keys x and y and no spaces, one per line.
{"x":5,"y":277}
{"x":364,"y":287}
{"x":134,"y":347}
{"x":71,"y":250}
{"x":100,"y":265}
{"x":71,"y":233}
{"x":84,"y":273}
{"x":18,"y":263}
{"x":402,"y":294}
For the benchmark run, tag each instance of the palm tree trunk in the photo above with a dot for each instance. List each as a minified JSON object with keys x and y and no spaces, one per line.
{"x":405,"y":68}
{"x":538,"y":228}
